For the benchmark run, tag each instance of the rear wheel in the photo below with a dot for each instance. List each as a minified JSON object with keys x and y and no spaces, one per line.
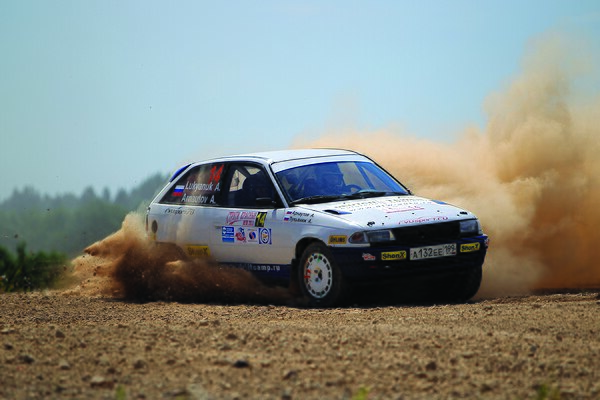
{"x":321,"y":281}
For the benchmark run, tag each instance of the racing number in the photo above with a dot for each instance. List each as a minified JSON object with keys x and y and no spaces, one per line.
{"x":260,"y":219}
{"x":215,"y":174}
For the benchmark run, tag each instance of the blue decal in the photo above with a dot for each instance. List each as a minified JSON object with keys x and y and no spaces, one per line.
{"x":264,"y":235}
{"x":228,"y":234}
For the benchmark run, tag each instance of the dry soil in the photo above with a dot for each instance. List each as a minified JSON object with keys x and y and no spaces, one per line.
{"x":62,"y":345}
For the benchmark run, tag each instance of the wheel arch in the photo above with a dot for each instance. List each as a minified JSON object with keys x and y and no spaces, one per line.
{"x":300,"y":246}
{"x":303,"y":244}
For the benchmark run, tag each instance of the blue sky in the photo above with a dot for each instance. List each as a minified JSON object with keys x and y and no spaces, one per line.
{"x":106,"y":93}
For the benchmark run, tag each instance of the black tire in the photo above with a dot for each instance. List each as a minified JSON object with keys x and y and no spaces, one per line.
{"x":319,"y":277}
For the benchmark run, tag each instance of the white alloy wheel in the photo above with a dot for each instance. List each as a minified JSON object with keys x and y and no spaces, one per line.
{"x":318,"y":275}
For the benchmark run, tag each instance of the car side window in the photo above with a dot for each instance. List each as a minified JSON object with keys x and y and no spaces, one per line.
{"x":201,"y":185}
{"x":248,"y":185}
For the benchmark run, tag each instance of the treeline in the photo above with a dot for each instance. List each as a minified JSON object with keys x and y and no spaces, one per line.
{"x":68,"y":223}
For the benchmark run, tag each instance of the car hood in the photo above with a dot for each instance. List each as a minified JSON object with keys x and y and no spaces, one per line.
{"x":392,"y":211}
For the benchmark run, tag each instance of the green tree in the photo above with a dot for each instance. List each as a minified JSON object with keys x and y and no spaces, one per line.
{"x":68,"y":223}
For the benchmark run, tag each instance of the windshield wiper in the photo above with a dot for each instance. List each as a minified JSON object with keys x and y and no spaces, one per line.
{"x":361,"y":194}
{"x":316,"y":199}
{"x":365,"y":193}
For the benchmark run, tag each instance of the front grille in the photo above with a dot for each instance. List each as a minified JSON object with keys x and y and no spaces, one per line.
{"x":427,"y":234}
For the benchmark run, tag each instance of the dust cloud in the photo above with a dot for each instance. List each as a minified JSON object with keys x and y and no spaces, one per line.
{"x":128,"y":265}
{"x":531,"y":175}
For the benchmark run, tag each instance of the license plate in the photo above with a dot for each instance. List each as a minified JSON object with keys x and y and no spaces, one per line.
{"x":441,"y":250}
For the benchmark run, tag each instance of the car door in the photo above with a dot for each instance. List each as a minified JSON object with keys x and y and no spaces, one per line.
{"x":183,"y":213}
{"x":244,"y":228}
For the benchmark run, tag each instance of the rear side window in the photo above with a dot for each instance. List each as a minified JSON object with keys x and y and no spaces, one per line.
{"x":245,"y":184}
{"x":201,"y":185}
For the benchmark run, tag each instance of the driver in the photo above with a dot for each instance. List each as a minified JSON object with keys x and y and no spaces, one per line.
{"x":331,"y":179}
{"x":332,"y":182}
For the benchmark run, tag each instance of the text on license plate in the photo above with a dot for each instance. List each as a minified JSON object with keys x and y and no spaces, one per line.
{"x":441,"y":250}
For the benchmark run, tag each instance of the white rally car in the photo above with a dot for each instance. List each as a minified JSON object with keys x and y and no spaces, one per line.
{"x":320,"y":220}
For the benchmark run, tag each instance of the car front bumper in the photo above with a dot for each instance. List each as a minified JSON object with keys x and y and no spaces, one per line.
{"x":368,"y":264}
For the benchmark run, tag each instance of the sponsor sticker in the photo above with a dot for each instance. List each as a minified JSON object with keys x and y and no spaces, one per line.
{"x":197,"y":251}
{"x":390,"y":204}
{"x":228,"y":234}
{"x":262,"y":267}
{"x":252,"y":236}
{"x":264,"y":235}
{"x":179,"y":211}
{"x":393,"y":255}
{"x":246,"y":218}
{"x":337,"y":239}
{"x":469,"y":247}
{"x":406,"y":208}
{"x":240,"y":235}
{"x":368,"y":257}
{"x":423,"y":220}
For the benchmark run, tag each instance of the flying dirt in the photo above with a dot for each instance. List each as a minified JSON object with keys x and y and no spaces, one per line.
{"x":126,"y":264}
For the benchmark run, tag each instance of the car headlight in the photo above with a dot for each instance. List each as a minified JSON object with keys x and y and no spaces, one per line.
{"x":470,"y":226}
{"x":384,"y":235}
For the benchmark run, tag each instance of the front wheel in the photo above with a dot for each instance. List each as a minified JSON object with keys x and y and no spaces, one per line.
{"x":461,"y":288}
{"x":469,"y":284}
{"x":321,"y":280}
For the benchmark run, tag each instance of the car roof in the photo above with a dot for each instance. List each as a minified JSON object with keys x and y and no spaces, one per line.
{"x":276,"y":156}
{"x":284,"y":158}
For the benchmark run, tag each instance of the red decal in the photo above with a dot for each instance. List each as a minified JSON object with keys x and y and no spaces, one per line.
{"x":215,"y":174}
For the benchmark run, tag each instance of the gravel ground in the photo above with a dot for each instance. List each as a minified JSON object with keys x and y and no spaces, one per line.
{"x":59,"y":344}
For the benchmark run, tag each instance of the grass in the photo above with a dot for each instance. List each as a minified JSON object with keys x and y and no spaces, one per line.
{"x":361,"y":394}
{"x":120,"y":393}
{"x":546,"y":392}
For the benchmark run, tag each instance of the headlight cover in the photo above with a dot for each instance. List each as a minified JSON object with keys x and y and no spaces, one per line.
{"x":470,"y":226}
{"x":384,"y":235}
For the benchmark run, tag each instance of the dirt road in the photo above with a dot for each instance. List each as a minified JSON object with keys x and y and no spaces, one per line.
{"x":54,"y":345}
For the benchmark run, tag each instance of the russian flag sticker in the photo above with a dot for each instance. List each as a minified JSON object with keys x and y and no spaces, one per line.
{"x":178,"y":190}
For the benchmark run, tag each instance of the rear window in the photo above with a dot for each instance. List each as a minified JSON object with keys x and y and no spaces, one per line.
{"x":201,"y":185}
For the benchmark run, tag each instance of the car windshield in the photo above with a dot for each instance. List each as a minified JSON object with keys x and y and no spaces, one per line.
{"x":330,"y":181}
